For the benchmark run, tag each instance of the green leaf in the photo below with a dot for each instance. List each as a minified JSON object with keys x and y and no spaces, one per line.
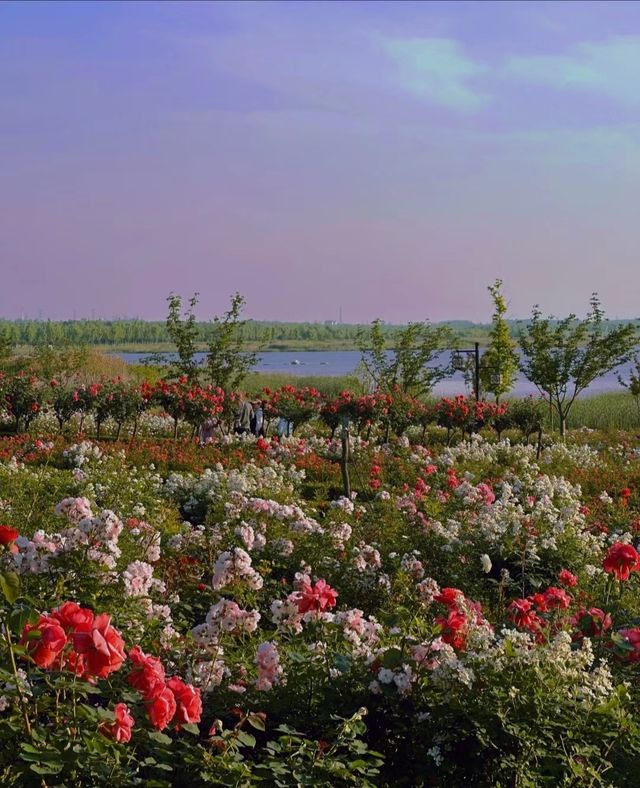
{"x":54,"y":768}
{"x":191,"y":728}
{"x":247,"y":739}
{"x":256,"y":722}
{"x":160,"y":738}
{"x":20,"y":616}
{"x":10,"y":585}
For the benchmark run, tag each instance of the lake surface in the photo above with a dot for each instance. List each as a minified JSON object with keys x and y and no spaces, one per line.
{"x":344,"y":362}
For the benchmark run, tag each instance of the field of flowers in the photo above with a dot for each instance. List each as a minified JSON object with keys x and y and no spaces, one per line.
{"x":220,"y":614}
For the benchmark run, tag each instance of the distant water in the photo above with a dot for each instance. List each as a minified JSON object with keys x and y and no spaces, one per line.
{"x":344,"y":362}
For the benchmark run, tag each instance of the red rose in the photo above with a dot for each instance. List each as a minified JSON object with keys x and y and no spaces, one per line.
{"x":120,"y":729}
{"x":521,"y":612}
{"x":101,"y":645}
{"x":8,"y":535}
{"x":556,"y":598}
{"x":147,"y":675}
{"x":319,"y":597}
{"x":567,"y":579}
{"x":451,"y":597}
{"x":188,"y":700}
{"x":46,"y":647}
{"x":621,"y":560}
{"x":71,"y":616}
{"x":454,"y":629}
{"x":540,"y":601}
{"x":161,"y":709}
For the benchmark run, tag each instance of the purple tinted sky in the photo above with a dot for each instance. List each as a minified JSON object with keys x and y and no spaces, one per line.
{"x":389,"y":158}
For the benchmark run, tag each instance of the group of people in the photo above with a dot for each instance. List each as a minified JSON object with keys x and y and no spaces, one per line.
{"x":250,"y":418}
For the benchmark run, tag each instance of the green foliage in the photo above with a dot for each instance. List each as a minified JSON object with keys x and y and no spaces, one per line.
{"x":407,"y":367}
{"x":183,"y":331}
{"x":499,"y":365}
{"x":6,"y":348}
{"x":562,"y":359}
{"x":526,"y":415}
{"x":633,"y":383}
{"x":59,"y":360}
{"x":23,"y":399}
{"x":614,"y":410}
{"x":227,"y":360}
{"x":65,"y":402}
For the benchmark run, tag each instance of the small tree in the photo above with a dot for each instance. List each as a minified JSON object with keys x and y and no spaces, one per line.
{"x":184,"y":333}
{"x":562,"y":358}
{"x":63,"y":401}
{"x":633,"y":383}
{"x":500,"y":361}
{"x":23,"y":396}
{"x":227,"y":360}
{"x":408,"y":366}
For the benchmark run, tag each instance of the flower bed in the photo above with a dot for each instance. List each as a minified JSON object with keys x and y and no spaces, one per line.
{"x":184,"y":615}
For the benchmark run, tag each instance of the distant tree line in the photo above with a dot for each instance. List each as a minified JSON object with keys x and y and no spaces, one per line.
{"x":257,"y":332}
{"x":125,"y":332}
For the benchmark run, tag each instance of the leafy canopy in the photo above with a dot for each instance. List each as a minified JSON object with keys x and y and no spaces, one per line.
{"x":184,"y":334}
{"x":561,"y":358}
{"x":227,"y":360}
{"x":408,"y":366}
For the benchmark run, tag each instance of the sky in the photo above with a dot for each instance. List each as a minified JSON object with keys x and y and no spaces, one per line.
{"x":385,"y":159}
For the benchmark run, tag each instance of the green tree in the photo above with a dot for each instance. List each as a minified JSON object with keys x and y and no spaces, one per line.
{"x":6,"y":348}
{"x":633,"y":383}
{"x":408,"y":366}
{"x":500,"y":361}
{"x":227,"y":360}
{"x":183,"y":331}
{"x":561,"y":358}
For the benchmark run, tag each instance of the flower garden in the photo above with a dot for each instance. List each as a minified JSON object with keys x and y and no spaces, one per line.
{"x":221,"y":614}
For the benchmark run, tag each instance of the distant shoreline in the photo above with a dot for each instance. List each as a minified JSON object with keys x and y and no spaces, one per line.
{"x":308,"y":346}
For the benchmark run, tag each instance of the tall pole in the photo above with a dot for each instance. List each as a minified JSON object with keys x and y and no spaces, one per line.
{"x":476,"y":381}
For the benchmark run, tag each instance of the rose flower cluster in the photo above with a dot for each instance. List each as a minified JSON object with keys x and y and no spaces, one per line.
{"x":74,"y":638}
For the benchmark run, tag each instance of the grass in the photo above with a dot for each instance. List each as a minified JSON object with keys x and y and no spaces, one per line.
{"x":614,"y":410}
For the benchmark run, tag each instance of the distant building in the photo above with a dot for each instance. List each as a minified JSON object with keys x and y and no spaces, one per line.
{"x":331,"y":322}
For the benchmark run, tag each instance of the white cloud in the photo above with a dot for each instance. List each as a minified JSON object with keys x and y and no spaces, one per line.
{"x":437,"y":70}
{"x":610,"y":68}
